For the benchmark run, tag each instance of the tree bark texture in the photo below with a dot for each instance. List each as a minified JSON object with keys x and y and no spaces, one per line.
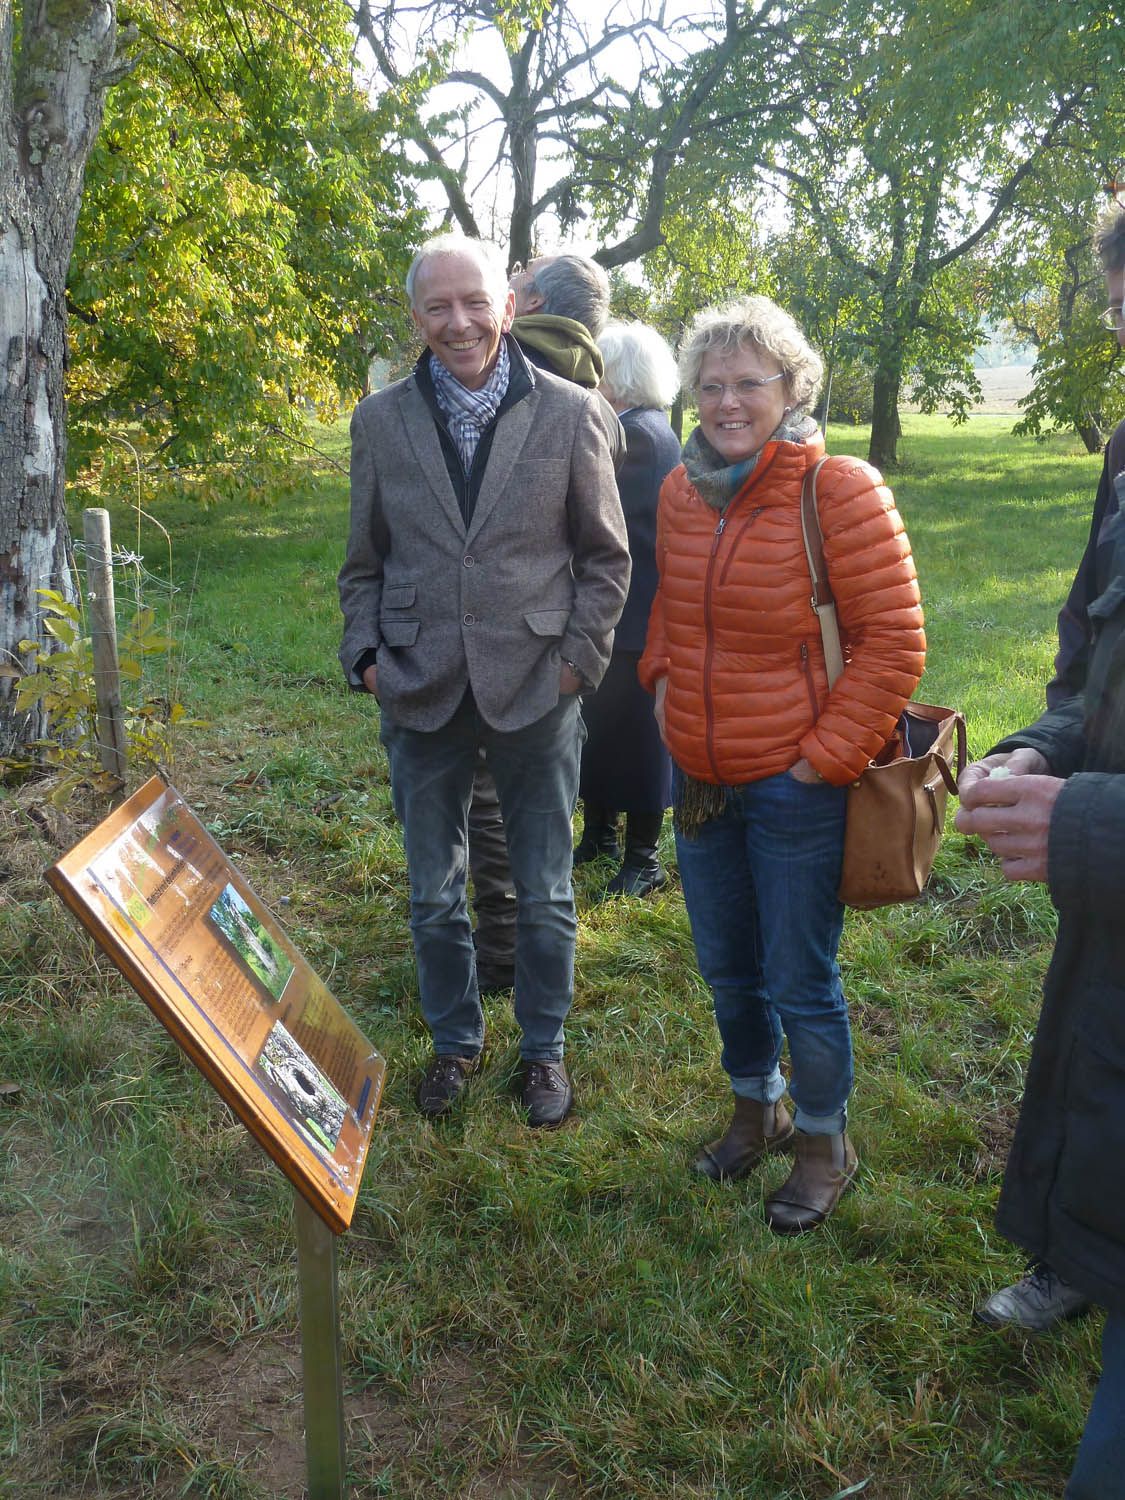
{"x":51,"y":89}
{"x":883,"y":449}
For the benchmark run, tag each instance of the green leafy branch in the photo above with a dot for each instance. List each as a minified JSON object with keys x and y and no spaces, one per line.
{"x":61,"y":682}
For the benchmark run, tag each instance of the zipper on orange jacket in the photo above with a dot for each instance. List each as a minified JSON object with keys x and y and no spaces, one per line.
{"x":806,"y":668}
{"x":709,"y":648}
{"x":709,"y":651}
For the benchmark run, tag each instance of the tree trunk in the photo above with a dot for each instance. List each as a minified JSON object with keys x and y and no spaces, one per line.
{"x":33,"y":531}
{"x":883,"y":448}
{"x":51,"y":90}
{"x":1092,"y":436}
{"x":676,"y":416}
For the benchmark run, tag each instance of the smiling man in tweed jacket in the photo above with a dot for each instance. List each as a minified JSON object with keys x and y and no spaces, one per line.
{"x":487,"y":566}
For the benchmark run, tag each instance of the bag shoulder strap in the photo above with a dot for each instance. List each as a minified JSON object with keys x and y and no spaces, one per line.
{"x":823,"y":601}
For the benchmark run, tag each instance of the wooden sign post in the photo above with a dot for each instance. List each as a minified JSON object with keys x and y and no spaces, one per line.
{"x":161,"y":898}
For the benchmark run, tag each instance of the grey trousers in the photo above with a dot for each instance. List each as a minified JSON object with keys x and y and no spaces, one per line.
{"x":494,"y":892}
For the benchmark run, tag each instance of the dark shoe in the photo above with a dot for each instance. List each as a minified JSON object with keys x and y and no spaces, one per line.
{"x":1035,"y":1303}
{"x":599,"y":836}
{"x":636,"y":879}
{"x":823,"y":1171}
{"x":546,"y":1095}
{"x":495,"y":975}
{"x":755,"y":1129}
{"x":641,"y":870}
{"x":443,"y":1082}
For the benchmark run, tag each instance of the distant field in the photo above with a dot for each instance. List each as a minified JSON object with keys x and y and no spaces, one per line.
{"x":1001,"y":391}
{"x":1003,"y":387}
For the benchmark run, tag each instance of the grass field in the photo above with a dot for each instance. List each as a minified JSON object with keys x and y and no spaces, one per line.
{"x":562,"y":1315}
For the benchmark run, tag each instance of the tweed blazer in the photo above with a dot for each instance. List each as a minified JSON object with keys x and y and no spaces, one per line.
{"x":538,"y":576}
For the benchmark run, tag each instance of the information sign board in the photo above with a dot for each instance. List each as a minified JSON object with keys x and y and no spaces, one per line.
{"x":160,"y":897}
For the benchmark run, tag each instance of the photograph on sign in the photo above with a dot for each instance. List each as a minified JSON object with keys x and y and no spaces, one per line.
{"x":165,"y":903}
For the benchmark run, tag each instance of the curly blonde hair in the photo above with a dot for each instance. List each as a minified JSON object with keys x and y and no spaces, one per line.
{"x":755,"y":323}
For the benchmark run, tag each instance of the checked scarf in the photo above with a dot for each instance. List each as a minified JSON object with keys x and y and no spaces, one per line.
{"x":468,"y":413}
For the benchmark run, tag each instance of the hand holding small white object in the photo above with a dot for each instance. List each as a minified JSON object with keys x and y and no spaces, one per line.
{"x":1022,"y":762}
{"x":1007,"y":800}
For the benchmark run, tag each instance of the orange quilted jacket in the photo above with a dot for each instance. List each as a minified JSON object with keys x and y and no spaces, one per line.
{"x":733,"y":629}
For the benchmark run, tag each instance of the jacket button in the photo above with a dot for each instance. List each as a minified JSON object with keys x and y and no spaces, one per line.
{"x":469,"y":561}
{"x":470,"y":620}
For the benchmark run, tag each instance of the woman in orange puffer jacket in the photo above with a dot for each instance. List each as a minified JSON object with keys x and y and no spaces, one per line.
{"x":762,"y":749}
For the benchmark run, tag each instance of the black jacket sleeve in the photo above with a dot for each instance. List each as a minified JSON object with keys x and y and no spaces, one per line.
{"x":1089,"y":581}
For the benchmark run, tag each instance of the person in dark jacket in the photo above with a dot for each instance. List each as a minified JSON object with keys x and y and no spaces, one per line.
{"x":1050,"y":802}
{"x":625,"y":767}
{"x":1042,"y":1298}
{"x":561,"y":304}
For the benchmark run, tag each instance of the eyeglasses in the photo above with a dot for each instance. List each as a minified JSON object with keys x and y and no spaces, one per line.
{"x":712,"y":393}
{"x":1113,"y":318}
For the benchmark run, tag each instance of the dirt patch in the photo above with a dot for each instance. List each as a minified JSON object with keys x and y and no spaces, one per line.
{"x":245,"y":1402}
{"x":241,"y":1406}
{"x":451,"y":1407}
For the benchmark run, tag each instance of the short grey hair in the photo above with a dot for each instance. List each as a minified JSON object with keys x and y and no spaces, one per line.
{"x":640,"y":368}
{"x":1109,"y":239}
{"x":573,"y":286}
{"x":755,"y":323}
{"x":487,"y":256}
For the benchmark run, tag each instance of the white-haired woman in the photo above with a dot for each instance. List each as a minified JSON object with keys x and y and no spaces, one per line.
{"x":625,"y":767}
{"x":762,"y":748}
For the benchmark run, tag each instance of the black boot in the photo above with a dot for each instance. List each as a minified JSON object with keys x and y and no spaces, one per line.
{"x":599,"y":835}
{"x":641,"y":870}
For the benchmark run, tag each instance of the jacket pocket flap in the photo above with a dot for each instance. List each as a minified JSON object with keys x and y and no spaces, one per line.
{"x":547,"y":621}
{"x":1108,"y":603}
{"x":399,"y":632}
{"x":399,"y":596}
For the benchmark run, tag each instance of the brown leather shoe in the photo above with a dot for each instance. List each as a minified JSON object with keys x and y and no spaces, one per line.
{"x":755,"y":1128}
{"x":443,"y":1082}
{"x":824,"y":1170}
{"x":546,"y":1094}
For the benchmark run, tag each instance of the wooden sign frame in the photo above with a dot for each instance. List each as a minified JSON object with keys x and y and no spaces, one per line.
{"x":162,"y":900}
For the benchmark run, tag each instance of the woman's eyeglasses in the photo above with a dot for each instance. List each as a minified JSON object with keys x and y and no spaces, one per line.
{"x":712,"y":393}
{"x":1113,"y":318}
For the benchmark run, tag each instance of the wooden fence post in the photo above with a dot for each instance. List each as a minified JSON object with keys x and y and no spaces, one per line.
{"x":112,"y":744}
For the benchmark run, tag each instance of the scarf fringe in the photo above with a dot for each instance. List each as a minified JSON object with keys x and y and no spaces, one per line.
{"x":697,"y":802}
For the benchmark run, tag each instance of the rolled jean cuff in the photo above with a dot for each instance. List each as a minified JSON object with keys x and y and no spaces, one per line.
{"x":542,"y":1054}
{"x":767,"y":1088}
{"x":821,"y":1124}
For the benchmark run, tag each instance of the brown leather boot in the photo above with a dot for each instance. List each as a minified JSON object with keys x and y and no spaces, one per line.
{"x":823,"y":1171}
{"x":755,"y":1128}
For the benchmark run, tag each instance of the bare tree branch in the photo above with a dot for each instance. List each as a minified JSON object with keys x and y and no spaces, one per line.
{"x":451,"y":182}
{"x":671,"y":142}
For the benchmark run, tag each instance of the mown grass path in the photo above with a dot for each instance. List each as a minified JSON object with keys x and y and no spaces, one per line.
{"x":565,"y":1315}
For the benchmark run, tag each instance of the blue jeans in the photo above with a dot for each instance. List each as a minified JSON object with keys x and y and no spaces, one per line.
{"x":760,"y":885}
{"x":1099,"y":1469}
{"x":536,"y":772}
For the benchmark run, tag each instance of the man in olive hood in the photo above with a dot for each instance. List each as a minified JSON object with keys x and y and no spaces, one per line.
{"x":562,"y":303}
